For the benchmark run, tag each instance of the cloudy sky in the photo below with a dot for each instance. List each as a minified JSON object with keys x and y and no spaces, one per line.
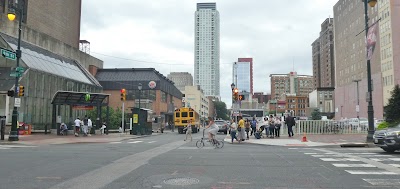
{"x":277,"y":34}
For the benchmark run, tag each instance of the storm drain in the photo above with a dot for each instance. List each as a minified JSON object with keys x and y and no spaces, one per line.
{"x":181,"y":181}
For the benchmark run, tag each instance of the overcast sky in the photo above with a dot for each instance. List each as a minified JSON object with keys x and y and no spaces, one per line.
{"x":277,"y":34}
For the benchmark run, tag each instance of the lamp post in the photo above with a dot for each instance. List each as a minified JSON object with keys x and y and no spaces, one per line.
{"x":11,"y":16}
{"x":140,"y":92}
{"x":371,"y":128}
{"x":358,"y":100}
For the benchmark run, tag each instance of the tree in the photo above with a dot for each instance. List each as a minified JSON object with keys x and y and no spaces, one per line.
{"x":222,"y":112}
{"x":392,"y":109}
{"x":114,"y":116}
{"x":316,"y":114}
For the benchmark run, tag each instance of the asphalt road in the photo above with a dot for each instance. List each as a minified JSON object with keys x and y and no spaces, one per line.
{"x":166,"y":161}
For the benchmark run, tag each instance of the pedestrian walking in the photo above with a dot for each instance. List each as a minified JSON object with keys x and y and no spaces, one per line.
{"x":77,"y":126}
{"x":277,"y":126}
{"x":247,"y":129}
{"x":90,"y":126}
{"x":188,"y":130}
{"x":290,"y":122}
{"x":241,"y":128}
{"x":171,"y":125}
{"x":253,"y":124}
{"x":233,"y":128}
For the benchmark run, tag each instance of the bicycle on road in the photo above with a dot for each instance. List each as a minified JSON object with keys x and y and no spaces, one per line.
{"x":214,"y":142}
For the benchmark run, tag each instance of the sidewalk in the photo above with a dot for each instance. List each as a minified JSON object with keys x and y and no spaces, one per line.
{"x":41,"y":139}
{"x":313,"y":140}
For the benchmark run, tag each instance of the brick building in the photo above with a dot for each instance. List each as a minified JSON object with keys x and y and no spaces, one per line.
{"x":162,"y":99}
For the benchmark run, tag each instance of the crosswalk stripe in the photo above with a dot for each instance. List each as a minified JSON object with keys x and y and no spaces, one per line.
{"x":383,"y":182}
{"x":16,"y":146}
{"x":367,"y":172}
{"x":115,"y":142}
{"x":385,"y":159}
{"x":395,"y":165}
{"x":365,"y":153}
{"x":310,"y":153}
{"x":134,"y":142}
{"x":336,"y":155}
{"x":152,"y":142}
{"x":338,"y":159}
{"x":353,"y":165}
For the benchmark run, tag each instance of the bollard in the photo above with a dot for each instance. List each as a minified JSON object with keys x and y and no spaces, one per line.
{"x":2,"y":126}
{"x":45,"y":129}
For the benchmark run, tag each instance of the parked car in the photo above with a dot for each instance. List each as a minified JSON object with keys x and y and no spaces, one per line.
{"x":388,"y":139}
{"x":222,"y":125}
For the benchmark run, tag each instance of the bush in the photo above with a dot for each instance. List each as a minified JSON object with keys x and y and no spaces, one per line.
{"x":383,"y":125}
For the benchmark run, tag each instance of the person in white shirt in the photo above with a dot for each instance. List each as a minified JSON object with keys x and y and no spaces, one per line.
{"x":277,"y":126}
{"x":234,"y":130}
{"x":90,"y":125}
{"x":77,"y":126}
{"x":103,"y":128}
{"x":189,"y":130}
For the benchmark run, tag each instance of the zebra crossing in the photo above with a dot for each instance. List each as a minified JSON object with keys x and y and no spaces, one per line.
{"x":134,"y":142}
{"x":367,"y":165}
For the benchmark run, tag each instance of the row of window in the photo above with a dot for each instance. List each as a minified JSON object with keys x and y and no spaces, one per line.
{"x":387,"y":66}
{"x":387,"y":80}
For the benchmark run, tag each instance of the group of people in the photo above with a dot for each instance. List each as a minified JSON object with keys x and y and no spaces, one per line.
{"x":271,"y":125}
{"x":86,"y":124}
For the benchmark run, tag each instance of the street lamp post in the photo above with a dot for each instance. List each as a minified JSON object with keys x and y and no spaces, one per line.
{"x":358,"y":100}
{"x":140,"y":92}
{"x":371,"y":128}
{"x":11,"y":16}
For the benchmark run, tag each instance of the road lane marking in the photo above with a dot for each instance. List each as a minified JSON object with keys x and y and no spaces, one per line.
{"x":352,"y":165}
{"x":310,"y":153}
{"x":134,"y":142}
{"x":385,"y":159}
{"x":330,"y":155}
{"x":152,"y":142}
{"x":115,"y":142}
{"x":380,"y":165}
{"x":383,"y":182}
{"x":101,"y":177}
{"x":338,"y":159}
{"x":368,"y":172}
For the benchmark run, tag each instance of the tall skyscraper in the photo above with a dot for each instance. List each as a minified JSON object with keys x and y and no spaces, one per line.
{"x":323,"y":57}
{"x":244,"y":73}
{"x":181,"y":79}
{"x":206,"y":52}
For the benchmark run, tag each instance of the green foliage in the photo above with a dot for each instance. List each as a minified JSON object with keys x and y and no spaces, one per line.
{"x":222,"y":112}
{"x":383,"y":125}
{"x":392,"y":109}
{"x":316,"y":114}
{"x":114,"y":116}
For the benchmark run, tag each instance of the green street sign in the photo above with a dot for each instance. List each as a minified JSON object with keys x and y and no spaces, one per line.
{"x":20,"y":69}
{"x":15,"y":74}
{"x":8,"y":54}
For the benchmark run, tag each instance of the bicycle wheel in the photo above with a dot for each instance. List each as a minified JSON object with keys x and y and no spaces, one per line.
{"x":200,"y":144}
{"x":219,"y":144}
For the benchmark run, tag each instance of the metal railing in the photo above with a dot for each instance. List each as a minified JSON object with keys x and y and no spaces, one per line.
{"x":326,"y":127}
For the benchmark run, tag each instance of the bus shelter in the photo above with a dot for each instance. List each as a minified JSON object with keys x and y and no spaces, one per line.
{"x":83,"y":99}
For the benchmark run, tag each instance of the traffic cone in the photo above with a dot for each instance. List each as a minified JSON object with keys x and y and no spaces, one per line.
{"x":304,"y":138}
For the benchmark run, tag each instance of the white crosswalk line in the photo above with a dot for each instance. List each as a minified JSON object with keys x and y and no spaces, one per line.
{"x":6,"y":147}
{"x":310,"y":153}
{"x":319,"y":155}
{"x":370,"y":172}
{"x":385,"y":159}
{"x":395,"y":165}
{"x":134,"y":142}
{"x":338,"y":159}
{"x":115,"y":142}
{"x":383,"y":182}
{"x":353,"y":165}
{"x":152,"y":142}
{"x":365,"y":153}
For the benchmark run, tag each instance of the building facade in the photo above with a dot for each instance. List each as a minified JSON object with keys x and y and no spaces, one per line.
{"x":351,"y":63}
{"x":181,"y":79}
{"x":297,"y":105}
{"x":243,"y":75}
{"x":60,"y":20}
{"x":323,"y":99}
{"x":261,"y":97}
{"x":207,"y":49}
{"x":195,"y":98}
{"x":323,"y":56}
{"x":158,"y":93}
{"x":283,"y":84}
{"x":389,"y":13}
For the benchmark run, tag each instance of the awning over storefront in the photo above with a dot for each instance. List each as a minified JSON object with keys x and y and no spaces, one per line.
{"x":80,"y":98}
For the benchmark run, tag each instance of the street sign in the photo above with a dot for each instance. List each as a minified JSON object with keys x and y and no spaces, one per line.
{"x":17,"y":102}
{"x":15,"y":74}
{"x":8,"y":54}
{"x":20,"y":69}
{"x":357,"y":108}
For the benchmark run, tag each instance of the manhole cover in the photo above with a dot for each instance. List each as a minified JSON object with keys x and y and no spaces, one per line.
{"x":181,"y":181}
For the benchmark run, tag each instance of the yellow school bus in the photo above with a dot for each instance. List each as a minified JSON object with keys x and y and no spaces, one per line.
{"x":182,"y":116}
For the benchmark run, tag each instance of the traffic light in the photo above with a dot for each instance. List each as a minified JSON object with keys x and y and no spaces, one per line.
{"x":123,"y":94}
{"x":241,"y":97}
{"x":10,"y":93}
{"x":235,"y":94}
{"x":21,"y":90}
